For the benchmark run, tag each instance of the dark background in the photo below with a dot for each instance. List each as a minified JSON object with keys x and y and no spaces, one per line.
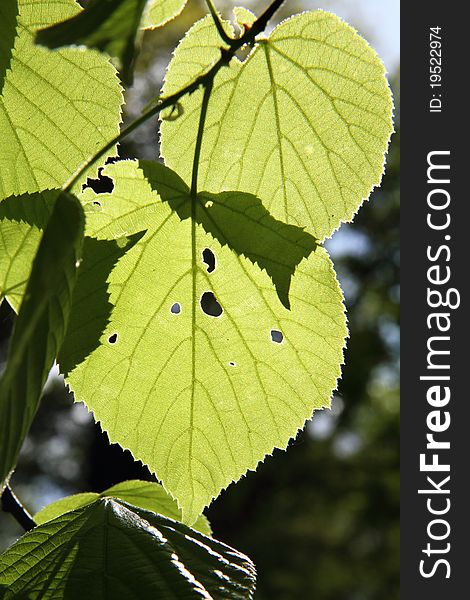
{"x":425,"y":132}
{"x":321,"y":520}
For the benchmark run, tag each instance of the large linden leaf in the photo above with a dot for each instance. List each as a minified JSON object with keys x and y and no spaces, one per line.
{"x":143,"y":494}
{"x":303,"y":123}
{"x":199,"y":369}
{"x":111,"y":550}
{"x":57,"y":107}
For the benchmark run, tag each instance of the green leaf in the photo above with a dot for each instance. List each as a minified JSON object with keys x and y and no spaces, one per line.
{"x":22,"y":219}
{"x":8,"y":21}
{"x":110,"y":26}
{"x":57,"y":107}
{"x":40,"y":327}
{"x":152,"y":496}
{"x":91,"y":308}
{"x":244,"y":17}
{"x":109,"y":549}
{"x":201,"y":398}
{"x":242,"y":223}
{"x":160,"y":12}
{"x":143,"y":494}
{"x":303,"y":123}
{"x":64,"y":505}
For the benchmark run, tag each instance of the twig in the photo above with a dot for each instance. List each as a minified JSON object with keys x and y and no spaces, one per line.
{"x":12,"y":505}
{"x":217,"y":22}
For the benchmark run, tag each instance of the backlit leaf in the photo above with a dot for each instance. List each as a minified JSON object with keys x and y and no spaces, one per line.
{"x":143,"y":494}
{"x":57,"y":107}
{"x":22,"y":220}
{"x":110,"y":26}
{"x":303,"y":123}
{"x":160,"y":12}
{"x":200,"y":372}
{"x":64,"y":505}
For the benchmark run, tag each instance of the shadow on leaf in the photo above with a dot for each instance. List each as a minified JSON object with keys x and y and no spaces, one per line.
{"x":9,"y":18}
{"x":240,"y":221}
{"x":110,"y":26}
{"x":33,"y":209}
{"x":91,"y":308}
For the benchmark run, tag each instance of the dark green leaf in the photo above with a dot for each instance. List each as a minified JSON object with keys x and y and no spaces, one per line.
{"x":40,"y":326}
{"x":110,"y":26}
{"x":111,"y":550}
{"x":143,"y":494}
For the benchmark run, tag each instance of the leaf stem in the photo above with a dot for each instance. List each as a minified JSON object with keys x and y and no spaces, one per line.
{"x":12,"y":505}
{"x":226,"y":55}
{"x":218,"y":23}
{"x":200,"y":133}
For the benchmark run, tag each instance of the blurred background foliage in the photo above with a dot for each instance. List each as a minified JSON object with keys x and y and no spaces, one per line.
{"x":321,"y":521}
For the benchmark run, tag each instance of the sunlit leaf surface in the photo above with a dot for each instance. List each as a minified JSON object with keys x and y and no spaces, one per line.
{"x":198,"y":368}
{"x":303,"y":123}
{"x":57,"y":108}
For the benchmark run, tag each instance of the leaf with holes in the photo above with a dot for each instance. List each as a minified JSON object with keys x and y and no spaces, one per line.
{"x":110,"y":549}
{"x":40,"y":327}
{"x":241,"y":222}
{"x":143,"y":494}
{"x":200,"y":374}
{"x":303,"y":123}
{"x":57,"y":108}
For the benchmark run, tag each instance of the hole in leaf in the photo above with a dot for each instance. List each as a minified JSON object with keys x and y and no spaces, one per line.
{"x":113,"y":338}
{"x":101,"y":185}
{"x":276,"y":336}
{"x":243,"y":53}
{"x":97,"y":203}
{"x":232,"y":364}
{"x":210,"y":306}
{"x":176,"y":308}
{"x":208,"y":258}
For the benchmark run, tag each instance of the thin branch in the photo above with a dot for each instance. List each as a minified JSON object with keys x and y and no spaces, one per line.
{"x":12,"y":505}
{"x":226,"y":56}
{"x":260,"y":24}
{"x":218,"y":23}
